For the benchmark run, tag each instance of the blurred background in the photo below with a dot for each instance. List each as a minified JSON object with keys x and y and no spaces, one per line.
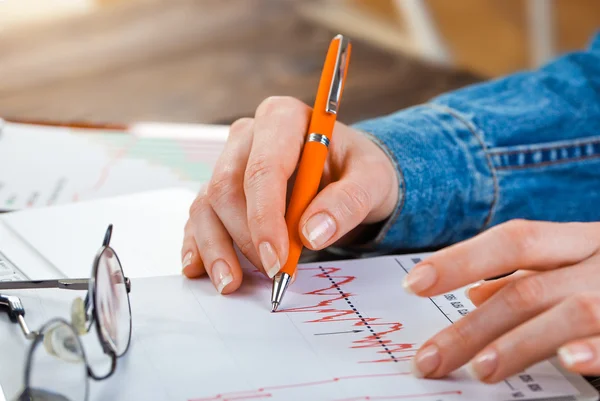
{"x":212,"y":61}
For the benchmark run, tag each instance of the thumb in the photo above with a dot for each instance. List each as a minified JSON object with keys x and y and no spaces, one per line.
{"x":360,"y":197}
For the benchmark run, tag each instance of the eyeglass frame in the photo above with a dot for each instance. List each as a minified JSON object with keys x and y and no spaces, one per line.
{"x":25,"y":394}
{"x":90,"y":310}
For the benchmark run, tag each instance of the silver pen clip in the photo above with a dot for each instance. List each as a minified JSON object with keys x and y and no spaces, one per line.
{"x":335,"y":91}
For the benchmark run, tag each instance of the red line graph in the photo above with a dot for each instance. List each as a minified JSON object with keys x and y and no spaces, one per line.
{"x":377,"y":330}
{"x":403,"y":397}
{"x":104,"y":173}
{"x":327,"y":312}
{"x":268,"y":392}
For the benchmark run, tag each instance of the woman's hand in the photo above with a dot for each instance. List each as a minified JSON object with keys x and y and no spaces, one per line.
{"x":244,"y":203}
{"x":551,"y":305}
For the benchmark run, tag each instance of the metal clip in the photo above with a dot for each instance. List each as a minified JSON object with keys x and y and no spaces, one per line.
{"x":339,"y":71}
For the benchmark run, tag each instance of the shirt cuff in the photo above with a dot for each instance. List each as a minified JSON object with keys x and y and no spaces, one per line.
{"x":447,"y":182}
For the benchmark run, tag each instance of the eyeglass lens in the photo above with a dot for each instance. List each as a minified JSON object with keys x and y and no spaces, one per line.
{"x":57,"y":367}
{"x":112,"y":302}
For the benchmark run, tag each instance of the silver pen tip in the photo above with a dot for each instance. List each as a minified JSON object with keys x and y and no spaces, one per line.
{"x":280,"y":284}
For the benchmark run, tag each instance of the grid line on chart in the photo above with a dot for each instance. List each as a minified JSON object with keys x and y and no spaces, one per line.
{"x":365,"y":323}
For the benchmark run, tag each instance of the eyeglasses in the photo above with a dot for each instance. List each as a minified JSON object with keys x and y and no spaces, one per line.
{"x":57,"y":368}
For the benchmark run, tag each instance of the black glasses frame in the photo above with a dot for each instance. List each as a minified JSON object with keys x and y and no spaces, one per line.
{"x":106,"y":347}
{"x":17,"y":312}
{"x":32,"y":394}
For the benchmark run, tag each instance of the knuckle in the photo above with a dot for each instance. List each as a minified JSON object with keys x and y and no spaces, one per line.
{"x":356,"y":199}
{"x":206,"y":242}
{"x":278,"y":105}
{"x":246,"y":247}
{"x":258,"y":219}
{"x":523,"y":294}
{"x":222,"y":188}
{"x":241,"y":126}
{"x":459,"y":335}
{"x":522,"y":235}
{"x":197,"y":207}
{"x":587,"y":307}
{"x":256,"y":171}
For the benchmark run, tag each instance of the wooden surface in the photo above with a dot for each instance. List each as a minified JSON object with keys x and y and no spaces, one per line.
{"x":489,"y":37}
{"x":195,"y":61}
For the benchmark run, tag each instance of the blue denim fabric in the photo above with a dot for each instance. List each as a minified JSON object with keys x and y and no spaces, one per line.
{"x":523,"y":146}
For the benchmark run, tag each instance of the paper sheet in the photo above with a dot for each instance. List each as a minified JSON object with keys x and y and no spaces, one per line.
{"x":346,"y":331}
{"x":147,"y":234}
{"x":42,"y":166}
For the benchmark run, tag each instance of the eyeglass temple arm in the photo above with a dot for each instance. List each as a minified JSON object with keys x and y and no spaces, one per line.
{"x":67,"y":284}
{"x":16,"y":313}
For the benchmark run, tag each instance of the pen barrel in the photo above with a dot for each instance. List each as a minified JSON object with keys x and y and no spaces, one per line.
{"x":308,"y":178}
{"x":314,"y":153}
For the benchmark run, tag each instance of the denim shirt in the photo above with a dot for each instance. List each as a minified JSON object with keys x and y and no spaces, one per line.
{"x":523,"y":146}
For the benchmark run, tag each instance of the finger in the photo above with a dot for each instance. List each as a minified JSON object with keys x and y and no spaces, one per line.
{"x":516,"y":245}
{"x":581,"y":356}
{"x":190,"y":257}
{"x":344,"y":204}
{"x":279,"y":130}
{"x":216,"y":248}
{"x":226,"y":191}
{"x":512,"y":305}
{"x":539,"y":339}
{"x":480,"y":292}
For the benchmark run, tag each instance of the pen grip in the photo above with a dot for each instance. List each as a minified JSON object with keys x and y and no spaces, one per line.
{"x":308,"y":178}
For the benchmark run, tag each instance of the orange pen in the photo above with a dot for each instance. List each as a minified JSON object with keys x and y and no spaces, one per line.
{"x":314,"y":154}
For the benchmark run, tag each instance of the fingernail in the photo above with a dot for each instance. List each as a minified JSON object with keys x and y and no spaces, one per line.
{"x":319,"y":229}
{"x":221,"y":275}
{"x":575,"y":354}
{"x":186,"y":260}
{"x":420,"y":278}
{"x":269,"y":259}
{"x":474,"y":286}
{"x":426,"y":361}
{"x":484,"y":364}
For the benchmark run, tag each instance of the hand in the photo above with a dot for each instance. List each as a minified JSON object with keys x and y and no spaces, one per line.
{"x":550,"y":305}
{"x":244,"y":203}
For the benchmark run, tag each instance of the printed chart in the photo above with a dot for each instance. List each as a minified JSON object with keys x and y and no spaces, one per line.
{"x":40,"y":167}
{"x":364,"y":330}
{"x":346,"y":332}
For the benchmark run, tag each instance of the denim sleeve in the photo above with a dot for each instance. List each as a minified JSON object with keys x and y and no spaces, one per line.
{"x":523,"y":146}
